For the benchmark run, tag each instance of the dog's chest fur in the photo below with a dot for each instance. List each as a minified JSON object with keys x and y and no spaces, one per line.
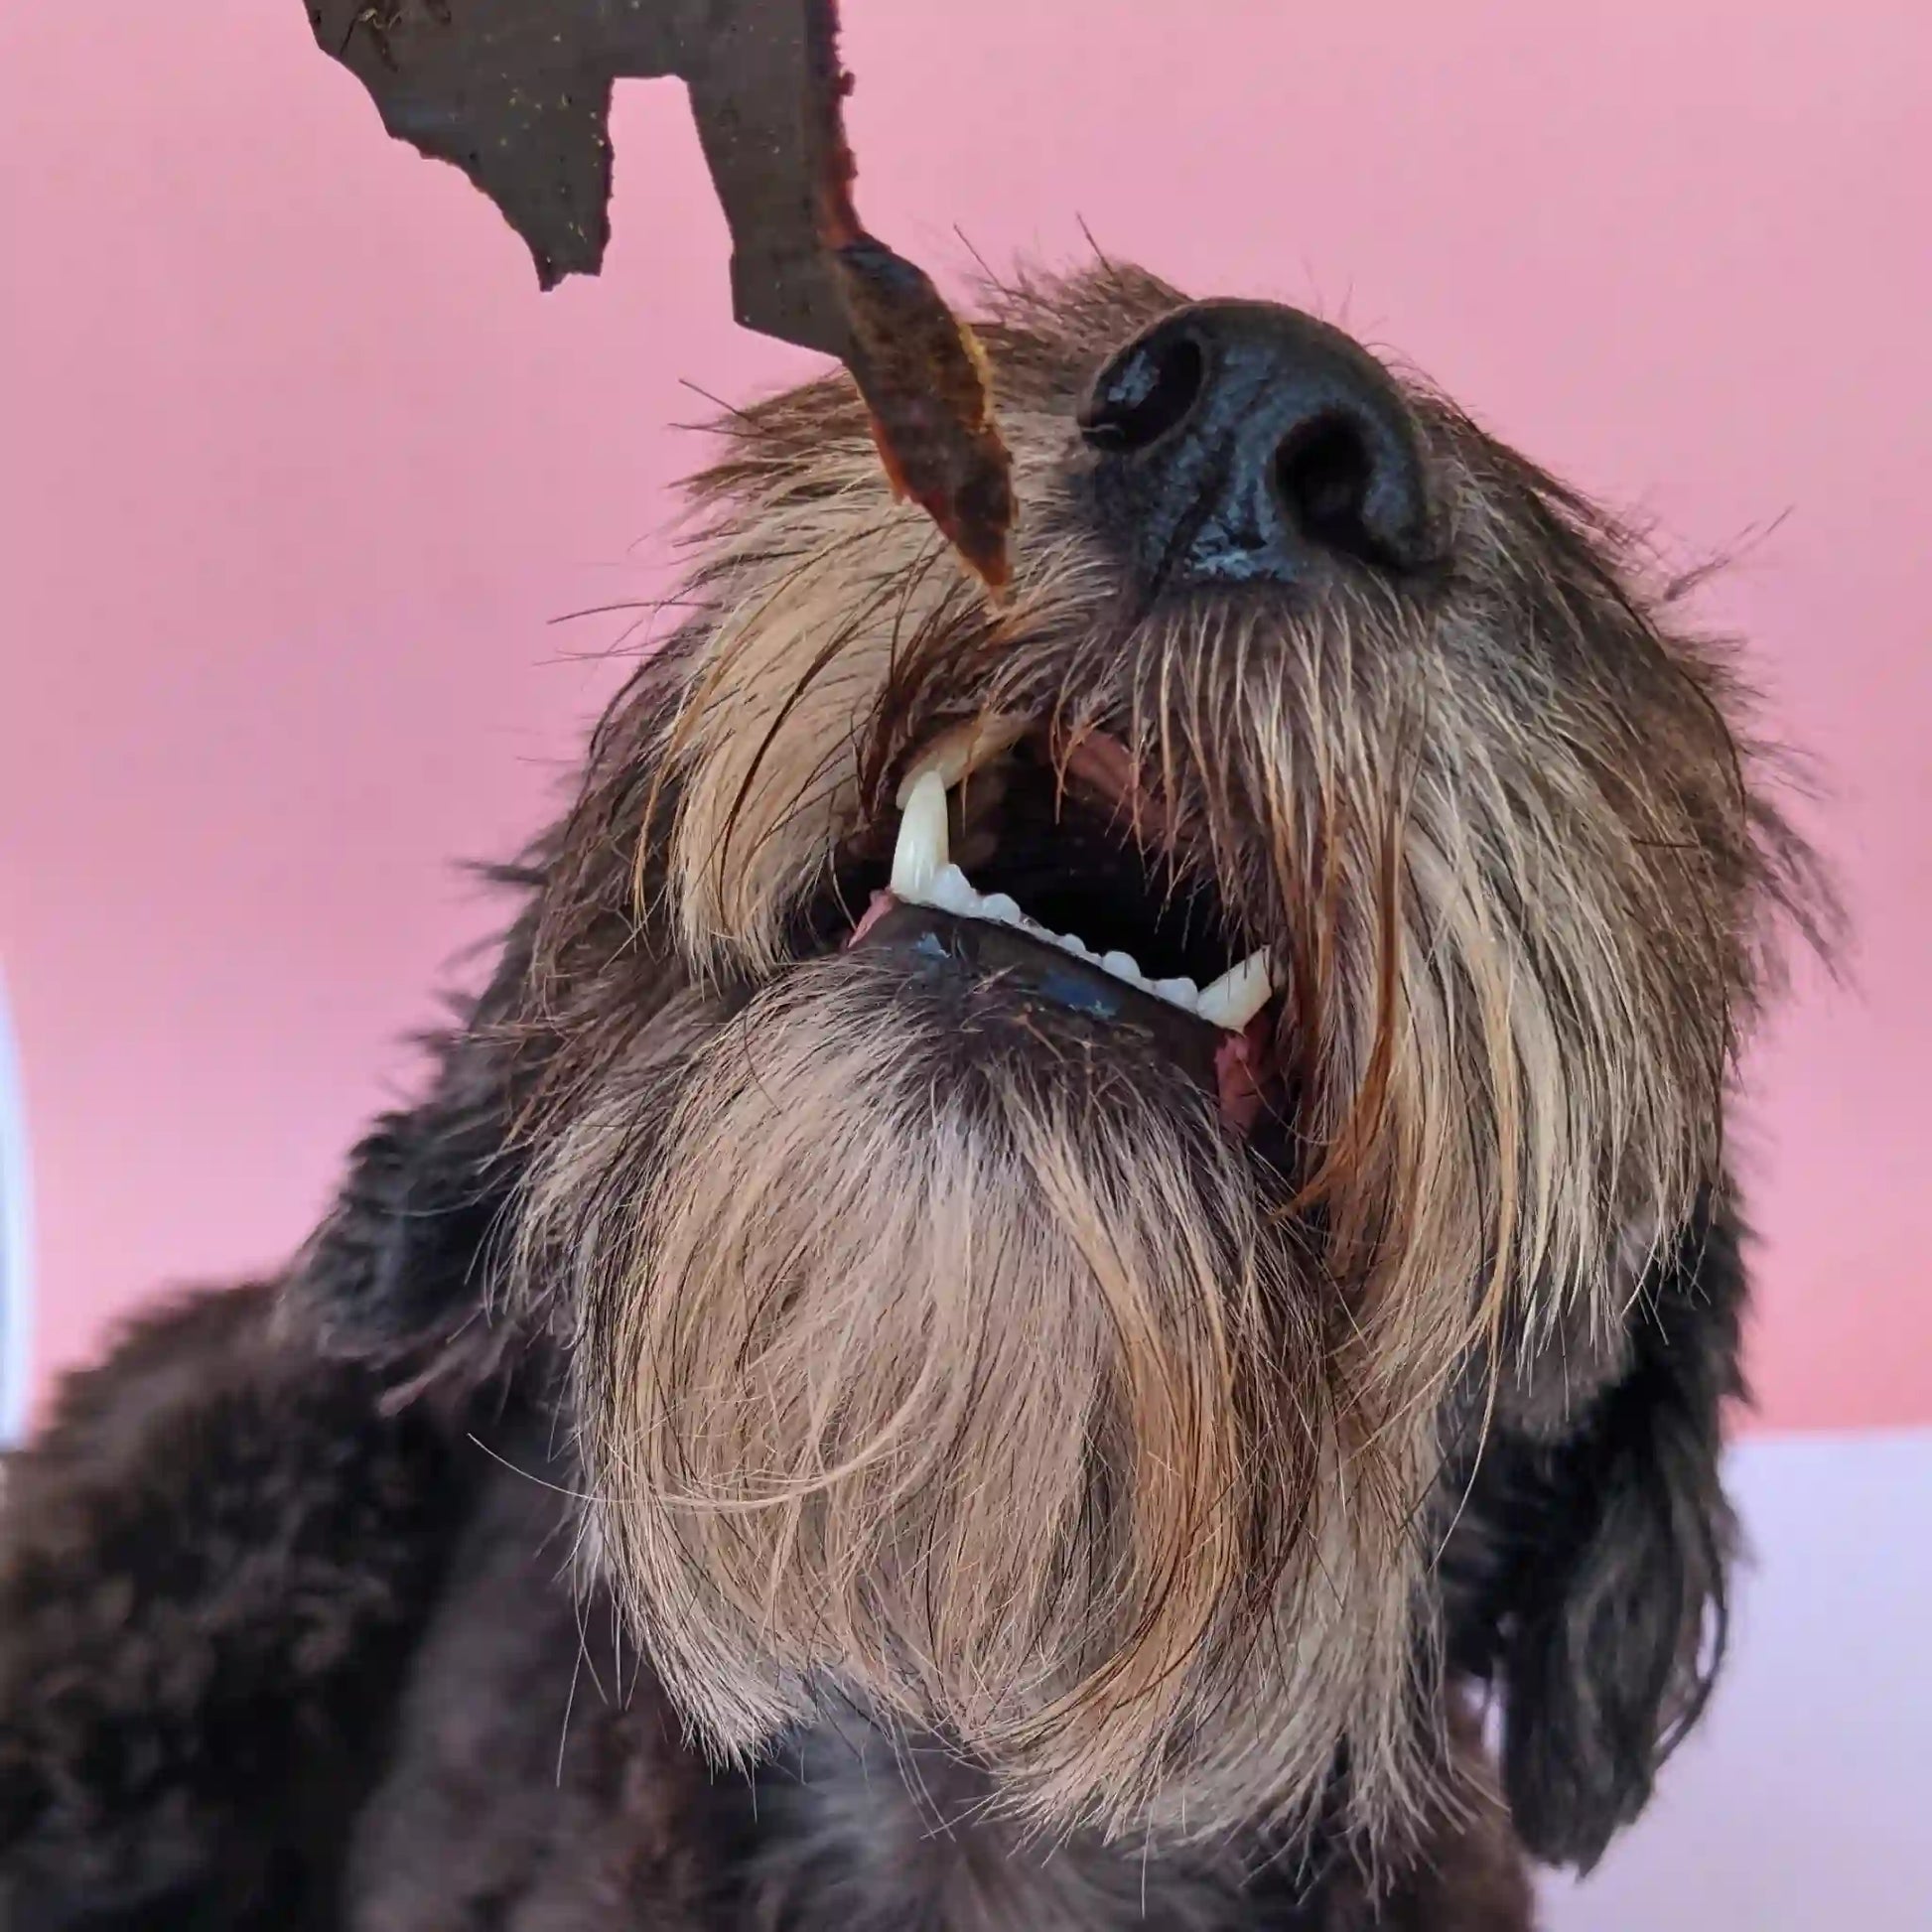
{"x":861,"y":1832}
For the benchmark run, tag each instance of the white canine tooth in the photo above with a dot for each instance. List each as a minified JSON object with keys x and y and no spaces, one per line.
{"x":962,"y":748}
{"x":997,"y":906}
{"x":1239,"y":994}
{"x":1182,"y":993}
{"x":1073,"y":944}
{"x":921,"y":852}
{"x":1123,"y":966}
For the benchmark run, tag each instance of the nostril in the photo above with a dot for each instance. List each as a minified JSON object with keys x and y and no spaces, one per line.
{"x":1143,"y":394}
{"x":1322,"y":474}
{"x":1324,"y":471}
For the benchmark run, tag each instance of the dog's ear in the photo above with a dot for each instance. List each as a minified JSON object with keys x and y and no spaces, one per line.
{"x":396,"y":1275}
{"x":400,"y":1276}
{"x":1589,"y":1580}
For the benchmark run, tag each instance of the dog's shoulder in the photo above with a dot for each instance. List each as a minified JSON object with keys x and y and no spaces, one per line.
{"x":214,"y":1560}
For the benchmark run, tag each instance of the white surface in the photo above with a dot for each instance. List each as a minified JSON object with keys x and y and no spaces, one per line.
{"x":1804,"y":1803}
{"x":16,"y":1250}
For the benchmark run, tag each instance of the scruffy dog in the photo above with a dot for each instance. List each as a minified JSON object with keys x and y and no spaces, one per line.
{"x":1071,"y":1235}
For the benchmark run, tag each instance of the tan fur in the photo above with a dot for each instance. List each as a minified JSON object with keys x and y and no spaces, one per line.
{"x":1013,"y":1397}
{"x":1000,"y":1400}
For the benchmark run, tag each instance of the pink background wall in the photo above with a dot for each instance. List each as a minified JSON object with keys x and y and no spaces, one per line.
{"x":298,"y":466}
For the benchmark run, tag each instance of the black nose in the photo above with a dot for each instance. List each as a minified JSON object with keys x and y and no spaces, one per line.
{"x":1243,"y":442}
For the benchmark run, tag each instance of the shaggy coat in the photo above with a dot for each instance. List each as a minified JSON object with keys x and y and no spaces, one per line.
{"x":795,"y":1429}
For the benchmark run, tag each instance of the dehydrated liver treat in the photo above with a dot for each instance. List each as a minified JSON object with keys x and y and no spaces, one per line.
{"x":518,"y":95}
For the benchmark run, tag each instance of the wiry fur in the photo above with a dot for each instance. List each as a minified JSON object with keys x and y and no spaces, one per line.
{"x":1507,"y":831}
{"x":1158,"y":1493}
{"x":886,"y":1297}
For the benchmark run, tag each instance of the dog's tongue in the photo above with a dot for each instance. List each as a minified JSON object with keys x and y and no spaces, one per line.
{"x":1033,"y":976}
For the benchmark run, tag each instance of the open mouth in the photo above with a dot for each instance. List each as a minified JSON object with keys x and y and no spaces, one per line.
{"x":1051,"y":879}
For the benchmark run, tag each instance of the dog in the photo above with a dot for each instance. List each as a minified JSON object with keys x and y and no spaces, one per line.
{"x":1078,"y":1270}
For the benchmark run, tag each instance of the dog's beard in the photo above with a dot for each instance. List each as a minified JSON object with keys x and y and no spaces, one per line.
{"x":984,"y":1387}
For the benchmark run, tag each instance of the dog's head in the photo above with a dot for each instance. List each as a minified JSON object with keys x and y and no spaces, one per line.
{"x":1053,"y":1120}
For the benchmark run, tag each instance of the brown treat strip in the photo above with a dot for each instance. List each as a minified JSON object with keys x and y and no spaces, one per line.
{"x":919,"y":368}
{"x":518,"y":95}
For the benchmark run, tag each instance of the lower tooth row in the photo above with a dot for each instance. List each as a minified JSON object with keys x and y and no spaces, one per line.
{"x":923,"y":875}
